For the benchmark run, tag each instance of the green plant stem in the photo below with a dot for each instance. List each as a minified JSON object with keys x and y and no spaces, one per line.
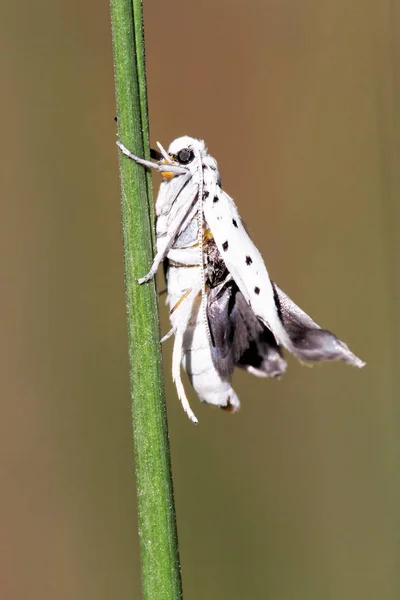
{"x":161,"y":578}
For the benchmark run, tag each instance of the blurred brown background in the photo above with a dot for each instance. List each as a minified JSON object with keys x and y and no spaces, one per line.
{"x":295,"y":497}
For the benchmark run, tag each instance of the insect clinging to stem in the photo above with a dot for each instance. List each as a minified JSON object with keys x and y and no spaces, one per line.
{"x":225,"y":311}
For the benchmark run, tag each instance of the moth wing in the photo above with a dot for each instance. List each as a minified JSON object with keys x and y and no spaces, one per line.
{"x":244,"y":261}
{"x":238,"y":337}
{"x":309,"y":339}
{"x":222,"y":329}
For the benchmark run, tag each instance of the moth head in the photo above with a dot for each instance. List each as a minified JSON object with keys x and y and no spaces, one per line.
{"x":185,"y":150}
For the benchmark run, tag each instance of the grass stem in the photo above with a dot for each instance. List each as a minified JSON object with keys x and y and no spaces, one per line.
{"x":161,"y":577}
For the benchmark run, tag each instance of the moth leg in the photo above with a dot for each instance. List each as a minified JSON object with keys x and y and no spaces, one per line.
{"x":181,"y":299}
{"x":129,"y":154}
{"x":159,"y":257}
{"x":164,"y":243}
{"x":176,"y":375}
{"x":173,"y":309}
{"x":167,"y":335}
{"x":147,"y":163}
{"x":177,"y":354}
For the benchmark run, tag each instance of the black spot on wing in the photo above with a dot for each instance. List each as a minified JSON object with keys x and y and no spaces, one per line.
{"x":257,"y":290}
{"x":206,"y":194}
{"x":215,"y":199}
{"x":248,"y":260}
{"x":225,"y":246}
{"x":234,"y":223}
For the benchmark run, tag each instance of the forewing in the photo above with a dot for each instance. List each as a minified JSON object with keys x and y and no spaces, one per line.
{"x":310,"y":341}
{"x":243,"y":261}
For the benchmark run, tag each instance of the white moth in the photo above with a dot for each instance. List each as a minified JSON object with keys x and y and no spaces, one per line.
{"x":225,"y":311}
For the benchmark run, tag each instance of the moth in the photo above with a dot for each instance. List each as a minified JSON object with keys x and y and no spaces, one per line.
{"x":225,"y":311}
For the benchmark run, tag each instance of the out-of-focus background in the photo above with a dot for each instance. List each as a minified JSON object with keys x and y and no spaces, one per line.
{"x":296,"y":496}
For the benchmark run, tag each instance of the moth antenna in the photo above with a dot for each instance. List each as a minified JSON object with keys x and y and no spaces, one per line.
{"x":200,"y":244}
{"x":164,"y":153}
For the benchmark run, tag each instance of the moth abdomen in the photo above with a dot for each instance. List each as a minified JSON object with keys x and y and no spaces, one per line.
{"x":215,"y":267}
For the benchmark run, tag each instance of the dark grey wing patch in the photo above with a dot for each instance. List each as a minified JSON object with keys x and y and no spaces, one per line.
{"x":220,"y":301}
{"x":263,"y":356}
{"x":309,"y":340}
{"x":238,"y":338}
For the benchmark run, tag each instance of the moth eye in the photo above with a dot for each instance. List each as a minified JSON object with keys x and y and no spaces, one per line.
{"x":185,"y":156}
